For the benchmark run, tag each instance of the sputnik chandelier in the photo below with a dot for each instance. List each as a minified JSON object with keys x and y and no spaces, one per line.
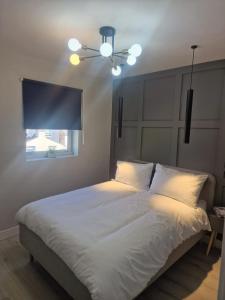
{"x":107,"y":50}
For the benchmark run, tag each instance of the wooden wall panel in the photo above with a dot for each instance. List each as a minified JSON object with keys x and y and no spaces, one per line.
{"x":125,"y":148}
{"x":132,"y":93}
{"x":159,"y":98}
{"x":153,"y":121}
{"x":208,"y":89}
{"x":160,"y":149}
{"x":200,"y":154}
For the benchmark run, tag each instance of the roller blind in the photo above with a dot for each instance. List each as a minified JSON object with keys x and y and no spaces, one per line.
{"x":51,"y":106}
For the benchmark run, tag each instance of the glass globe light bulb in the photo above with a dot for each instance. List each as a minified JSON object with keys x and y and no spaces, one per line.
{"x":116,"y":71}
{"x":135,"y":50}
{"x":74,"y":44}
{"x":75,"y":59}
{"x":106,"y":49}
{"x":131,"y":60}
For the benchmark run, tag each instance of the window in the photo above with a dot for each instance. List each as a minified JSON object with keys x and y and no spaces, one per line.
{"x":51,"y":119}
{"x":50,"y":143}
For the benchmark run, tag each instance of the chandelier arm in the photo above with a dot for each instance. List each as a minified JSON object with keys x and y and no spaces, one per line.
{"x":114,"y":54}
{"x":88,"y":48}
{"x":91,"y":56}
{"x":111,"y":59}
{"x":124,"y":52}
{"x":113,"y":42}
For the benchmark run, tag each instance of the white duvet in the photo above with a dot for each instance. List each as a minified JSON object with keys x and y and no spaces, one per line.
{"x":112,"y":236}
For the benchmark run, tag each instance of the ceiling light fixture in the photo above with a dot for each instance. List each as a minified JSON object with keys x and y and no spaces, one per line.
{"x":106,"y":50}
{"x":135,"y":50}
{"x":116,"y":71}
{"x":74,"y":45}
{"x":75,"y":59}
{"x":131,"y":60}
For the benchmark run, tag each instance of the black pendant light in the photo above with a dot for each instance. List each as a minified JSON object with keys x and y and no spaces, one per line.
{"x":189,"y":102}
{"x":120,"y":105}
{"x":120,"y":117}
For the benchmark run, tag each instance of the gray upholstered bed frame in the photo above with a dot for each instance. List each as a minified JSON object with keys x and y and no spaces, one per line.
{"x":54,"y":265}
{"x":66,"y":278}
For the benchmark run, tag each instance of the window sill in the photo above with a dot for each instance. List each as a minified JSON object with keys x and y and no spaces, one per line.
{"x":30,"y":159}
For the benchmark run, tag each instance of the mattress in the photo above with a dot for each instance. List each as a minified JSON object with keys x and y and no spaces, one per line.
{"x":113,"y":237}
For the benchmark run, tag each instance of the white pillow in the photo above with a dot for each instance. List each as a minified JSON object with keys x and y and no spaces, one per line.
{"x":135,"y":174}
{"x":179,"y":185}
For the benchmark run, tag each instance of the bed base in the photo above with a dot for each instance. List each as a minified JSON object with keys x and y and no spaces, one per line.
{"x":66,"y":278}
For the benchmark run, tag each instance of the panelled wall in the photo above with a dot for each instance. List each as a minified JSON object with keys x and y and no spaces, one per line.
{"x":153,"y":120}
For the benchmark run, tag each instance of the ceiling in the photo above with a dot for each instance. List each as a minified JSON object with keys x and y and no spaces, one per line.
{"x":165,"y":28}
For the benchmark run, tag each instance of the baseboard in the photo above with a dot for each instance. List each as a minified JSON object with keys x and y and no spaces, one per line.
{"x":10,"y":232}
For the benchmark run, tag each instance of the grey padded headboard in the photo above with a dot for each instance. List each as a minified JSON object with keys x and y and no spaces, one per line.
{"x":208,"y":190}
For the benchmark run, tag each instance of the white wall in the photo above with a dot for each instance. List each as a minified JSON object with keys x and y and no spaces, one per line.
{"x":22,"y":181}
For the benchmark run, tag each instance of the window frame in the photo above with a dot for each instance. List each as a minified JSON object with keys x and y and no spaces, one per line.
{"x":72,"y":148}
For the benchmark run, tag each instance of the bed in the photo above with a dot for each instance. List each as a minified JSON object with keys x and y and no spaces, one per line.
{"x":86,"y":250}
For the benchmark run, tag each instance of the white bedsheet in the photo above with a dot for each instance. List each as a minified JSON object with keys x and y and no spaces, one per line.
{"x":114,"y":244}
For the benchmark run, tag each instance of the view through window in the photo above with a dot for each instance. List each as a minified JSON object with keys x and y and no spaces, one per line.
{"x":47,"y":141}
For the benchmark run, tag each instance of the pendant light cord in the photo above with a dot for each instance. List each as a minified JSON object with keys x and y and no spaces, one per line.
{"x":193,"y":47}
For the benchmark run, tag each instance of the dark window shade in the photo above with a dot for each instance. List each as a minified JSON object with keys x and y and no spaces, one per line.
{"x":50,"y":106}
